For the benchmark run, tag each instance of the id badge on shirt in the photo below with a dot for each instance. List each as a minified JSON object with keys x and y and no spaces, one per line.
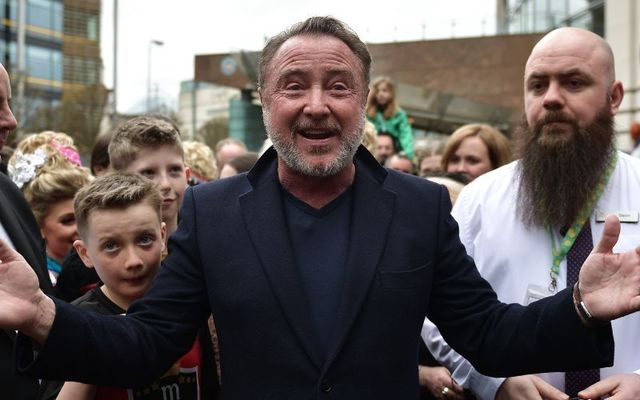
{"x":535,"y":293}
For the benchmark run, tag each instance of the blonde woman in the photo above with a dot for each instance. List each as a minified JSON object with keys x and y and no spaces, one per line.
{"x":48,"y":170}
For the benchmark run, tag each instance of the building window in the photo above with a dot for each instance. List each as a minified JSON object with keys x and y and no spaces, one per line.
{"x":81,"y":70}
{"x":576,"y":6}
{"x":92,"y":27}
{"x":45,"y":14}
{"x":542,"y":15}
{"x":44,"y":63}
{"x":82,"y":23}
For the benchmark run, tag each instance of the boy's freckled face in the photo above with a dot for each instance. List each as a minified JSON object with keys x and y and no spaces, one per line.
{"x":125,"y":247}
{"x":164,"y":166}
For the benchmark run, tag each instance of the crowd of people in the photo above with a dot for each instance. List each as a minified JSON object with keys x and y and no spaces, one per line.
{"x":331,"y":262}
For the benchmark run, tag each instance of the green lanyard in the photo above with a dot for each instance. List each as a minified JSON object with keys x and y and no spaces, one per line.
{"x":559,"y":253}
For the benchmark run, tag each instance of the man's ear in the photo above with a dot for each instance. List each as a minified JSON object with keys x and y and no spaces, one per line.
{"x":163,"y":234}
{"x":187,"y":173}
{"x":81,"y":248}
{"x":616,"y":96}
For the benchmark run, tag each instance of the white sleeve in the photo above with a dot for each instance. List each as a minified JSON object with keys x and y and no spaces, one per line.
{"x":462,"y":371}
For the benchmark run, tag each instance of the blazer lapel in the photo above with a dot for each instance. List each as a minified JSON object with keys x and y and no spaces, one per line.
{"x":264,"y":219}
{"x":371,"y":216}
{"x":20,"y":238}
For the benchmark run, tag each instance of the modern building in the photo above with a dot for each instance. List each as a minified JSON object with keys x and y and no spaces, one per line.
{"x":615,"y":20}
{"x":445,"y":83}
{"x":529,"y":16}
{"x":81,"y":44}
{"x":61,"y":62}
{"x":43,"y":66}
{"x":238,"y":71}
{"x":442,"y":84}
{"x":621,"y":31}
{"x":201,"y":102}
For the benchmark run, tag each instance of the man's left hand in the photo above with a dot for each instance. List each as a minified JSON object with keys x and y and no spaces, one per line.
{"x":610,"y":283}
{"x":617,"y":387}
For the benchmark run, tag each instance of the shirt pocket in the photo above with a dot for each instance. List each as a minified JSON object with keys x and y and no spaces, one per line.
{"x":406,"y":279}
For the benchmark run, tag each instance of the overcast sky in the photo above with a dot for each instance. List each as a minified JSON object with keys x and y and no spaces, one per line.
{"x":190,"y":27}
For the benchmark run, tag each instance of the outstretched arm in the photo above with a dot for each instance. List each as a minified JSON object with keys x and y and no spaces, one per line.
{"x":609,"y":283}
{"x":23,"y":306}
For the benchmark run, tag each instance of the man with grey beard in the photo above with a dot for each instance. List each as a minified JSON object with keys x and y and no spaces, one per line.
{"x":521,"y":223}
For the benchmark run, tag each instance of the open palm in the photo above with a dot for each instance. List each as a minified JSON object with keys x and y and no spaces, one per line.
{"x":610,"y":283}
{"x":20,"y":294}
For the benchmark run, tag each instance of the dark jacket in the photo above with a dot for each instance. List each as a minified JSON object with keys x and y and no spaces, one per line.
{"x":17,"y":219}
{"x":231,"y":255}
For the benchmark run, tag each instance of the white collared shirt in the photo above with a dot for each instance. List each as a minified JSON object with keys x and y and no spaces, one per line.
{"x":511,"y":257}
{"x":5,"y":236}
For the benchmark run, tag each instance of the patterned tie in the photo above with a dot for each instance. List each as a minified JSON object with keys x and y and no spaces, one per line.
{"x":575,"y":381}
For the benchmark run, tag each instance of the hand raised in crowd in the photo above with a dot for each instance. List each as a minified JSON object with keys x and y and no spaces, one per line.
{"x":617,"y":387}
{"x":528,"y":387}
{"x":23,"y":306}
{"x":439,"y":382}
{"x":610,"y":283}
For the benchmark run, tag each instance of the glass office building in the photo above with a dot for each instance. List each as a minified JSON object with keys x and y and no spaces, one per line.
{"x":43,"y":50}
{"x":528,"y":16}
{"x":62,"y":50}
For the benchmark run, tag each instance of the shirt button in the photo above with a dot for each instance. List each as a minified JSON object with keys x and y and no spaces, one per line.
{"x":325,"y":386}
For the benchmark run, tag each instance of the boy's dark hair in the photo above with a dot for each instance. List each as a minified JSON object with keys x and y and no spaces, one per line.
{"x":146,"y":132}
{"x":117,"y":190}
{"x":100,"y":152}
{"x":244,"y":162}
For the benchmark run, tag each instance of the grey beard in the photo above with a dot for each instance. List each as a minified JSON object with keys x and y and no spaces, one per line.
{"x":294,"y":159}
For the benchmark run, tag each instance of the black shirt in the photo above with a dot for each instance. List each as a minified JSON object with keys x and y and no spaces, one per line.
{"x":320,"y":242}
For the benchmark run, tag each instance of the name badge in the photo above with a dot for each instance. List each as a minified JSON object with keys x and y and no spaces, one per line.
{"x":535,"y":293}
{"x":629,"y":217}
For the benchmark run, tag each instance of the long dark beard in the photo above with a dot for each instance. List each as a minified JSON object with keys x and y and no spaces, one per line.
{"x":559,"y":172}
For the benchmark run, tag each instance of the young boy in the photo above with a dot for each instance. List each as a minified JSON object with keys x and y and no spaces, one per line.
{"x":122,"y":237}
{"x":151,"y":147}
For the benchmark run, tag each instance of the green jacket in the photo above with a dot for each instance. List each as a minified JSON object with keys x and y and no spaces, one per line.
{"x":397,"y":126}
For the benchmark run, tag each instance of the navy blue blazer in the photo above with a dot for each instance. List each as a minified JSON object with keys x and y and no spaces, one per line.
{"x":231,"y":256}
{"x":17,"y":219}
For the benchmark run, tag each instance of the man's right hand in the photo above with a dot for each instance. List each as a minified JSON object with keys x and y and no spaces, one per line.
{"x":23,"y":306}
{"x":528,"y":387}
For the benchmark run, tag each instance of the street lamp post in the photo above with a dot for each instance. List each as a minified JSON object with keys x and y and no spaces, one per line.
{"x":151,"y":43}
{"x":114,"y":116}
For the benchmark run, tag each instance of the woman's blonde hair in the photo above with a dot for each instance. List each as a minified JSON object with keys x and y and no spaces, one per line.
{"x":369,"y":136}
{"x":50,"y":142}
{"x":45,"y":175}
{"x":498,"y":145}
{"x":372,"y":105}
{"x":199,"y":157}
